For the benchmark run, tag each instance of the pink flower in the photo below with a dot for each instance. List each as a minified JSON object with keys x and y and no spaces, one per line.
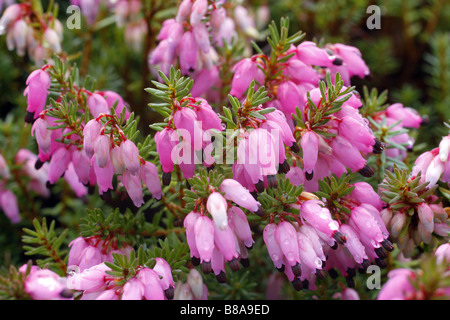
{"x":188,"y":53}
{"x":38,"y":83}
{"x":286,"y":236}
{"x":58,"y":164}
{"x":97,"y":105}
{"x":81,"y":165}
{"x":189,"y":225}
{"x":133,"y":185}
{"x":102,"y":146}
{"x":310,"y":146}
{"x":117,"y":159}
{"x":244,"y":72}
{"x":310,"y":54}
{"x":239,"y":223}
{"x":398,"y":286}
{"x":351,"y":57}
{"x":166,"y":140}
{"x":189,"y":126}
{"x":410,"y":117}
{"x":152,"y":285}
{"x":162,"y":268}
{"x":240,"y":195}
{"x":319,"y":217}
{"x":204,"y":239}
{"x":217,"y":206}
{"x":149,"y":176}
{"x":130,"y":155}
{"x":44,"y":285}
{"x":9,"y":205}
{"x":91,"y":131}
{"x":133,"y":290}
{"x":273,"y":247}
{"x":442,"y":253}
{"x":89,"y":280}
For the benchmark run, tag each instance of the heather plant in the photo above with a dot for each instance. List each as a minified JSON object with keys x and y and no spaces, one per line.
{"x":209,"y":149}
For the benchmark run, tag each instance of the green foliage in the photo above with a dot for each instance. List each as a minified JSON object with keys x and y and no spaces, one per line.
{"x":44,"y":241}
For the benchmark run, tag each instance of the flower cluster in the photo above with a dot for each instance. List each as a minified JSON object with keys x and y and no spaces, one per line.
{"x":8,"y":201}
{"x":194,"y":121}
{"x":107,"y":153}
{"x":186,"y":38}
{"x":334,"y":143}
{"x":324,"y":237}
{"x":297,"y":71}
{"x":91,"y":152}
{"x":39,"y":35}
{"x":99,"y":283}
{"x":413,"y":214}
{"x":408,"y":284}
{"x":395,"y":118}
{"x":192,"y":38}
{"x":434,"y":165}
{"x":87,"y":252}
{"x":44,"y":284}
{"x":261,"y":147}
{"x":225,"y":235}
{"x":25,"y":160}
{"x":192,"y":289}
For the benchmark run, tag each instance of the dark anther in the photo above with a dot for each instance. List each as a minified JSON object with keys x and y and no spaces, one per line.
{"x":309,"y":176}
{"x":365,"y":264}
{"x":166,"y":177}
{"x":334,"y":246}
{"x":48,"y":185}
{"x":259,"y":186}
{"x":272,"y":181}
{"x":106,"y":196}
{"x":206,"y":267}
{"x":366,"y":171}
{"x":319,"y":274}
{"x":66,"y":293}
{"x":297,"y":270}
{"x":295,"y":147}
{"x":305,"y":284}
{"x":281,"y":269}
{"x":195,"y":261}
{"x":338,"y":61}
{"x":29,"y":117}
{"x":234,"y":264}
{"x":387,"y":245}
{"x":284,"y":167}
{"x":245,"y":262}
{"x":169,"y":293}
{"x":221,"y":277}
{"x":297,"y":284}
{"x":350,"y":282}
{"x":260,"y":212}
{"x":333,"y":273}
{"x":38,"y":164}
{"x":381,"y":253}
{"x":381,"y":263}
{"x":351,"y":272}
{"x":378,"y":147}
{"x":339,"y":237}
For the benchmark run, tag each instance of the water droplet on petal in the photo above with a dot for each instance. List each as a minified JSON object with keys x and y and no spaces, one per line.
{"x":318,"y":263}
